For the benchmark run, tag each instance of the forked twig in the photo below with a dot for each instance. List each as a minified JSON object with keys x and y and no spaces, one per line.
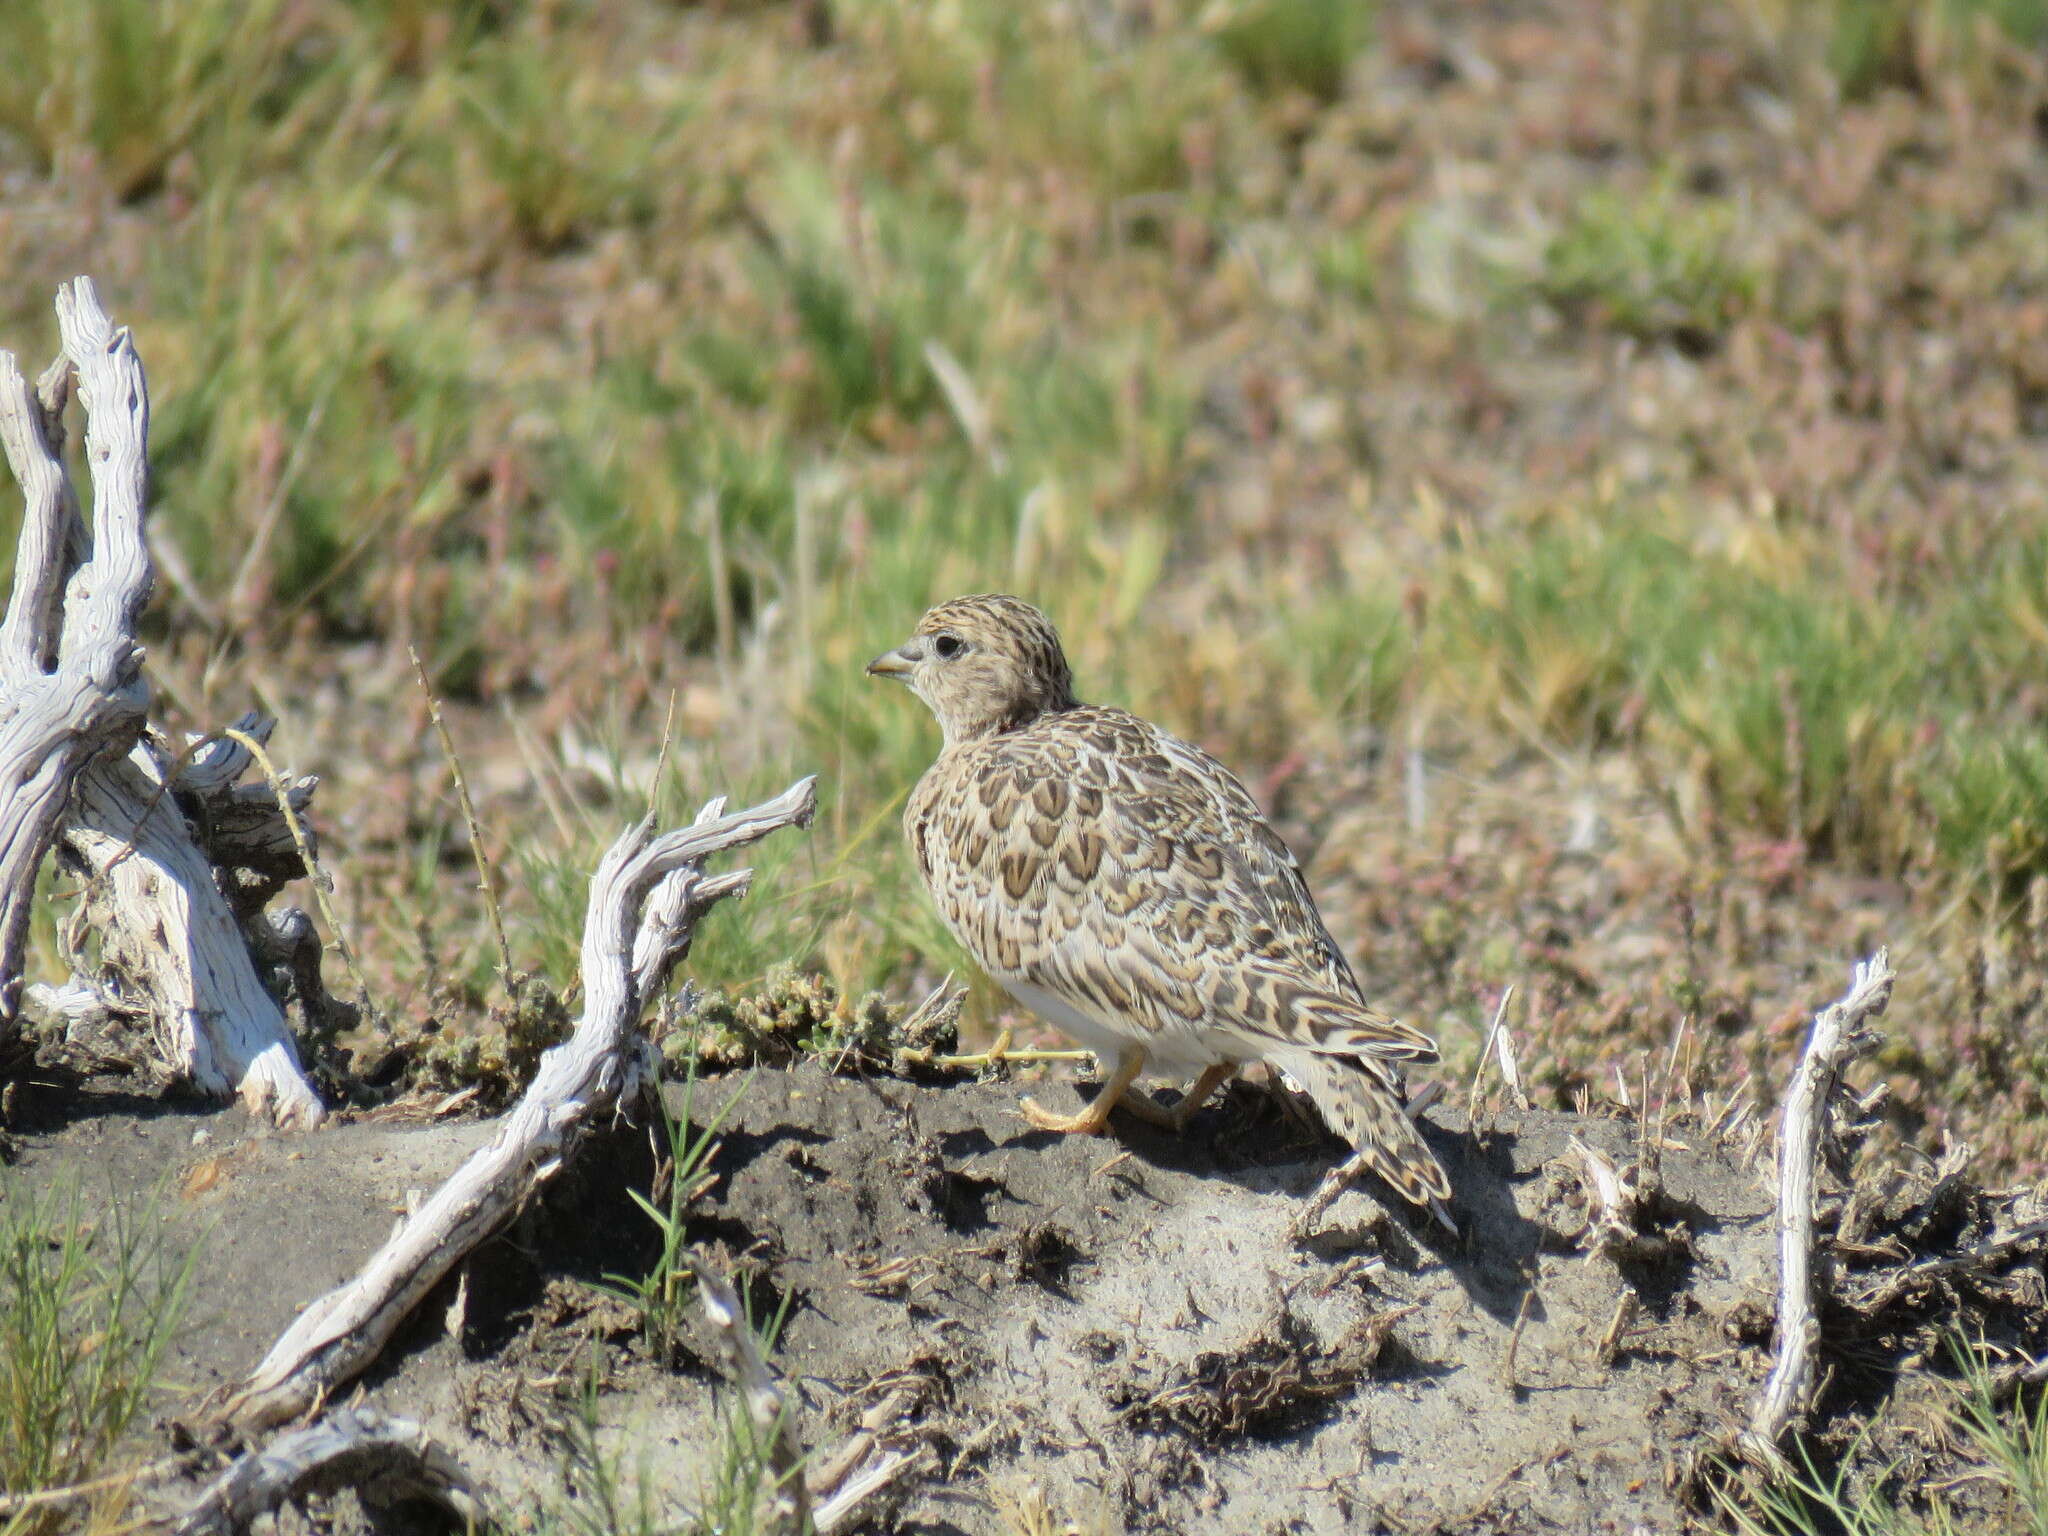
{"x":577,"y":1082}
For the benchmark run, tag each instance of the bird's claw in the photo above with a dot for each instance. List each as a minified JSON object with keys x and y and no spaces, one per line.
{"x":1088,"y":1122}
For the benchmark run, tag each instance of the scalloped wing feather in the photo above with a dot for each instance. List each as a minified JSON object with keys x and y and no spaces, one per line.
{"x":1094,"y":856}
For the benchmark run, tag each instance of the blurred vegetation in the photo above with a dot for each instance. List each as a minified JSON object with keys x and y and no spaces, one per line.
{"x":1661,"y":384}
{"x":90,"y":1303}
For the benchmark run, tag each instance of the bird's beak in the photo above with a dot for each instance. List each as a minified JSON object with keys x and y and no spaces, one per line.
{"x":891,"y":664}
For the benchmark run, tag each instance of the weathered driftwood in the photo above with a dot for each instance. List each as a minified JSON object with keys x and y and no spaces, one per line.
{"x":1839,"y":1037}
{"x":578,"y":1082}
{"x":77,"y":768}
{"x":174,"y":952}
{"x":71,"y":683}
{"x":244,"y":831}
{"x":383,"y":1457}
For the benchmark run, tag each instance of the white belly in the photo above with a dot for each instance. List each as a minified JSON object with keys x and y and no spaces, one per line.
{"x":1177,"y":1053}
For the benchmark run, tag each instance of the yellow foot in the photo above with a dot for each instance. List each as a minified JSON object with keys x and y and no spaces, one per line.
{"x":1176,"y":1119}
{"x":1090,"y":1121}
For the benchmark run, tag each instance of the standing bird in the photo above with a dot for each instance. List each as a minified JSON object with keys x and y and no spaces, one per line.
{"x":1124,"y":886}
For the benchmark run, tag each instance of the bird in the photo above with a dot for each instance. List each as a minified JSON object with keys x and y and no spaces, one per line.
{"x":1122,"y":884}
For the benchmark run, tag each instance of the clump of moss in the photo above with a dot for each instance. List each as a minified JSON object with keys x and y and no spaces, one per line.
{"x":795,"y":1015}
{"x":498,"y":1055}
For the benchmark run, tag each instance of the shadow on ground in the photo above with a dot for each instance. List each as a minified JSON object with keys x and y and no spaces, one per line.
{"x":1124,"y":1326}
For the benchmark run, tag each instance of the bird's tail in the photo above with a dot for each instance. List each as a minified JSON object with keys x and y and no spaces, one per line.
{"x":1363,"y":1106}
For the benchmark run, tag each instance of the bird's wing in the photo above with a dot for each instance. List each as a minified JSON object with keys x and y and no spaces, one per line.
{"x":1096,"y":857}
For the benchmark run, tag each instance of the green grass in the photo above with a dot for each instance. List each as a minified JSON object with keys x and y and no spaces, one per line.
{"x":662,"y":1294}
{"x":1868,"y":46}
{"x":89,"y":1305}
{"x":563,"y":152}
{"x":608,"y":1488}
{"x":1102,"y":100}
{"x":1650,"y":262}
{"x":119,"y":89}
{"x":1302,"y":45}
{"x":1871,"y":43}
{"x":2007,"y":1441}
{"x":1860,"y":727}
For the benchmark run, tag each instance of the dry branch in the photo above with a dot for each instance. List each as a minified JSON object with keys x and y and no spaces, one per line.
{"x":77,"y":767}
{"x":834,"y":1512}
{"x":71,"y":683}
{"x":1998,"y":1246}
{"x":360,"y":1448}
{"x":1839,"y":1038}
{"x":180,"y":958}
{"x":578,"y":1082}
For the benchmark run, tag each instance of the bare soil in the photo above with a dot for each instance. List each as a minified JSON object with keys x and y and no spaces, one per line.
{"x":1124,"y":1327}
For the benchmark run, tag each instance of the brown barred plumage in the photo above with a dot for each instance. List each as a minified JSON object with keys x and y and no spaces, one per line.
{"x":1121,"y":883}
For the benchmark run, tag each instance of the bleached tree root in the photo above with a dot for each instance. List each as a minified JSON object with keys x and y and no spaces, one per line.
{"x":71,"y":685}
{"x":360,"y":1448}
{"x":645,"y":901}
{"x":1840,"y":1036}
{"x":77,"y":767}
{"x":175,"y":953}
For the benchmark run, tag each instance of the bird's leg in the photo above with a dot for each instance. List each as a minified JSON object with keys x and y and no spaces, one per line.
{"x":1089,"y":1122}
{"x":1176,"y":1119}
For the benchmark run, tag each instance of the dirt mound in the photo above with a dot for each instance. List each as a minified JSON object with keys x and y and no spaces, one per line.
{"x":1126,"y":1330}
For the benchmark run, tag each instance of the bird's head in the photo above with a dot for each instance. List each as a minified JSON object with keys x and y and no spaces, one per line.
{"x":983,"y":665}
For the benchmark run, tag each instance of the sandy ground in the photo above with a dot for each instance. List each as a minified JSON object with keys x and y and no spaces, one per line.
{"x":1124,"y":1327}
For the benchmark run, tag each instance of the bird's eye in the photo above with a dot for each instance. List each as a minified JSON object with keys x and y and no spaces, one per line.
{"x":948,"y":646}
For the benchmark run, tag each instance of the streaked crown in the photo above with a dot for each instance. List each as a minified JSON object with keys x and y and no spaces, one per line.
{"x":983,"y":664}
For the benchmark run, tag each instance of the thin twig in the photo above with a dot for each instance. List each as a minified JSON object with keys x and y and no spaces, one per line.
{"x":484,"y":882}
{"x":769,"y":1408}
{"x":1839,"y":1038}
{"x":668,"y":728}
{"x":149,"y":1471}
{"x":1493,"y":1031}
{"x":1618,"y":1326}
{"x":994,"y":1058}
{"x":1507,"y":1365}
{"x":313,"y":876}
